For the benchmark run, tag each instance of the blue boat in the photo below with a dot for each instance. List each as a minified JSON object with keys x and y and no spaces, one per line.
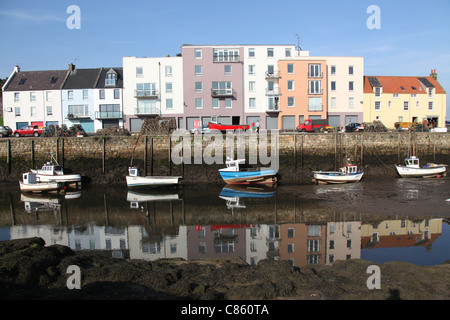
{"x":237,"y":191}
{"x":236,"y":173}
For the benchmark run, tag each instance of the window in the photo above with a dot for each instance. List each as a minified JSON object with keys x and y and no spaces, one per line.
{"x":395,"y":95}
{"x":139,"y":72}
{"x":417,"y":105}
{"x":22,"y":81}
{"x":101,"y":94}
{"x":315,"y":104}
{"x":350,"y":86}
{"x":333,"y":85}
{"x":215,"y":103}
{"x":389,"y":104}
{"x":350,"y":70}
{"x":270,"y":69}
{"x":288,"y":52}
{"x":290,"y":247}
{"x":333,"y":102}
{"x":252,"y":103}
{"x":198,"y":53}
{"x":17,"y":111}
{"x":169,"y":103}
{"x":290,"y":68}
{"x":70,"y":95}
{"x":413,"y":95}
{"x":228,"y":103}
{"x":169,"y":87}
{"x":351,"y":103}
{"x":227,"y":69}
{"x":116,"y":94}
{"x":32,"y":96}
{"x":314,"y":71}
{"x":110,"y":79}
{"x":226,"y":55}
{"x":269,"y":52}
{"x":198,"y":70}
{"x":378,"y":105}
{"x":32,"y":111}
{"x":315,"y":87}
{"x":198,"y":103}
{"x":16,"y":96}
{"x":252,"y":86}
{"x":430,"y":92}
{"x":198,"y":87}
{"x":430,"y":105}
{"x":333,"y":70}
{"x":405,"y":105}
{"x":222,"y":87}
{"x":49,"y":110}
{"x":314,"y":245}
{"x":251,"y":52}
{"x":48,"y":96}
{"x":168,"y":71}
{"x":290,"y":85}
{"x":377,"y":92}
{"x":251,"y":69}
{"x":291,"y":102}
{"x":78,"y":111}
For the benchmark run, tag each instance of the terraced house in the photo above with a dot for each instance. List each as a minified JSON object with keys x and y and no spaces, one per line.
{"x":404,"y":99}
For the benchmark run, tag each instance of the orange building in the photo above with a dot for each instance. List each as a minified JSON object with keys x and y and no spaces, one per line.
{"x":303,"y":89}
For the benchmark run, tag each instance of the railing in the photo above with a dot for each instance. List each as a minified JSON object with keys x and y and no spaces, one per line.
{"x":146,"y":93}
{"x":229,"y":58}
{"x":108,"y":115}
{"x":272,"y":75}
{"x":146,"y":111}
{"x":315,"y":76}
{"x":223,"y":92}
{"x":315,"y":92}
{"x":273,"y":92}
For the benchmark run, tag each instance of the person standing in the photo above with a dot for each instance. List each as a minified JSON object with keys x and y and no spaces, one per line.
{"x":257,"y":126}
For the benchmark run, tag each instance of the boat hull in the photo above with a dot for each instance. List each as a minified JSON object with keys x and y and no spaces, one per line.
{"x":152,"y":181}
{"x":249,"y":177}
{"x":337,"y":177}
{"x":407,"y":172}
{"x":41,"y":186}
{"x":67,"y":178}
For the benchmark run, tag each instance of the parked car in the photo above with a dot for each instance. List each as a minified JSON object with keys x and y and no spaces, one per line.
{"x":352,"y":127}
{"x":30,"y":130}
{"x":313,"y":125}
{"x":5,"y":131}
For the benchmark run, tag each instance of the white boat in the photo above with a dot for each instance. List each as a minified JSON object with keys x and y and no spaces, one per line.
{"x":30,"y":183}
{"x":348,"y":173}
{"x":55,"y":172}
{"x":135,"y":180}
{"x":412,"y":169}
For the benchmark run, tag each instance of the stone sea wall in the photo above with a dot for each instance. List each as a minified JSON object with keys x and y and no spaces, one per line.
{"x":106,"y":159}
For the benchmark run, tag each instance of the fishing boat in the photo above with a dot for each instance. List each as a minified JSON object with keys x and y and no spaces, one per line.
{"x":412,"y":169}
{"x":134,"y":179}
{"x":30,"y":183}
{"x":55,"y":172}
{"x":236,"y":173}
{"x":346,"y":174}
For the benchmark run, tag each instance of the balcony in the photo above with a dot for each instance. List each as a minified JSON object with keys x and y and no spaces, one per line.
{"x":273,"y":92}
{"x":272,"y":75}
{"x":315,"y":75}
{"x":146,"y":94}
{"x":315,"y":92}
{"x":274,"y":105}
{"x":146,"y":111}
{"x":77,"y":116}
{"x":222,"y":93}
{"x":226,"y":58}
{"x":103,"y":115}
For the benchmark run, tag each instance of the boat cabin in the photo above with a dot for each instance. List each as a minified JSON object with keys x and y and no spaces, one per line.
{"x":349,"y":169}
{"x":51,"y":169}
{"x":233,"y":165}
{"x":412,"y":162}
{"x":29,"y":178}
{"x":133,"y":172}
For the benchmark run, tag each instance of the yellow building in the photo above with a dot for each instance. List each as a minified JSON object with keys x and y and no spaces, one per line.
{"x":404,"y":99}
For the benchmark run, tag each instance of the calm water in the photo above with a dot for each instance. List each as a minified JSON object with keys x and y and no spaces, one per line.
{"x":377,"y":220}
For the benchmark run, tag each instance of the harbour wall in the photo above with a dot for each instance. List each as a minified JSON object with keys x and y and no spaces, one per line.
{"x":106,"y":159}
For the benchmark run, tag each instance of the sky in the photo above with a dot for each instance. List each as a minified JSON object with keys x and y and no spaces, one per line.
{"x":412,"y":39}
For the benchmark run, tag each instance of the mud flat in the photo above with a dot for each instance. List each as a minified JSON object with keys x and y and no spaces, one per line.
{"x":31,"y":270}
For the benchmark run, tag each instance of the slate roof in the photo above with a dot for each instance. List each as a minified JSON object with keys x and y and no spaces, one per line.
{"x":37,"y":80}
{"x":82,"y":79}
{"x":409,"y":85}
{"x":119,"y":76}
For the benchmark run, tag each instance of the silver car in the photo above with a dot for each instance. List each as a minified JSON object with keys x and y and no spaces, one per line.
{"x":5,"y":131}
{"x":202,"y":129}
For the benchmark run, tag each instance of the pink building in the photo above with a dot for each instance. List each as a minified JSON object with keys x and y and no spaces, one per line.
{"x":213,"y":84}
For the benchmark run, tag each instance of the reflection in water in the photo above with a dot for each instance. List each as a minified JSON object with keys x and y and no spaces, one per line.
{"x":196,"y":223}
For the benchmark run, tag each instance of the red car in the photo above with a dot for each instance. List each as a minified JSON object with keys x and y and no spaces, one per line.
{"x":28,"y":131}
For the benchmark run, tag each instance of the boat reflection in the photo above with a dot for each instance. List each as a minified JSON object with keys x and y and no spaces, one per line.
{"x":193,"y":224}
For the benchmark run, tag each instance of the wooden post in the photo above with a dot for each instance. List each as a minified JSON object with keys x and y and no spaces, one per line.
{"x":145,"y":156}
{"x":151,"y":156}
{"x":32,"y":153}
{"x":182,"y":157}
{"x":295,"y":152}
{"x":104,"y":156}
{"x":398,"y":148}
{"x":62,"y":152}
{"x":362,"y":148}
{"x":8,"y":155}
{"x":170,"y":156}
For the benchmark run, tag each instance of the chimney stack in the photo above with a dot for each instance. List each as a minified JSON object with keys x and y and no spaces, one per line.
{"x":434,"y":74}
{"x":71,"y":67}
{"x":17,"y":69}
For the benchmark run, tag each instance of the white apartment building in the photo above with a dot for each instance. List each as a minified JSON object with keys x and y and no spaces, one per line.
{"x":261,"y":91}
{"x":152,"y":86}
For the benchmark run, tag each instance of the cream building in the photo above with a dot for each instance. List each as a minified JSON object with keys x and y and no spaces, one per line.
{"x":404,"y":99}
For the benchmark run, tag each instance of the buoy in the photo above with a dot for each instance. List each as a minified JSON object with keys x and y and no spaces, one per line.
{"x":438,"y":176}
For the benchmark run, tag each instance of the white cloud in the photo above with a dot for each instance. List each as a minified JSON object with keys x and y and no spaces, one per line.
{"x":30,"y":17}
